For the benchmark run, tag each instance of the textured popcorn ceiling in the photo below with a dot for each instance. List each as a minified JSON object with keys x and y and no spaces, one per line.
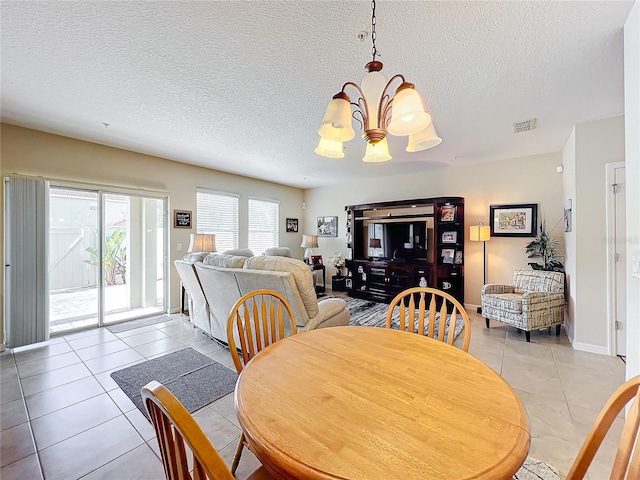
{"x":241,"y":86}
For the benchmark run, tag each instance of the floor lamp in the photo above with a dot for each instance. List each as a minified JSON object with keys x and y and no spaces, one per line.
{"x":481,"y":233}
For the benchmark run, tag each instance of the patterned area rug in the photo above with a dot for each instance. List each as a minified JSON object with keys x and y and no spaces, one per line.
{"x":536,"y":470}
{"x":365,"y":313}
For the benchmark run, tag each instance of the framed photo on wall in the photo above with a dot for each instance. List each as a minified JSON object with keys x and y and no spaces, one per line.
{"x":181,"y":219}
{"x":292,"y":224}
{"x":514,"y":220}
{"x":327,"y":226}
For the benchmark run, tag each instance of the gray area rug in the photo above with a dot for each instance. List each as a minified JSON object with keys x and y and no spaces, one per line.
{"x":365,"y":313}
{"x":195,"y":379}
{"x":533,"y":469}
{"x":141,"y":322}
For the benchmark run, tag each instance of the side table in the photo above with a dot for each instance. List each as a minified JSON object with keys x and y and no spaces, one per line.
{"x":320,"y":289}
{"x":338,"y":283}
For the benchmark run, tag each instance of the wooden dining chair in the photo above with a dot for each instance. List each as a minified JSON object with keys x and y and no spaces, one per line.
{"x":432,"y":305}
{"x":174,"y":427}
{"x":626,"y":465}
{"x":258,"y":319}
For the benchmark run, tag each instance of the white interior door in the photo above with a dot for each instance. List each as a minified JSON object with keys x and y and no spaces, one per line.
{"x":621,"y":251}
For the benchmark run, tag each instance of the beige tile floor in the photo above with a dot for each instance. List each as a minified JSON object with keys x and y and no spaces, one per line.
{"x":63,"y":417}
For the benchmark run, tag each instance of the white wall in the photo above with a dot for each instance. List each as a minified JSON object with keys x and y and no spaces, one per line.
{"x":569,"y":192}
{"x":596,"y":144}
{"x":521,"y":180}
{"x":31,"y":152}
{"x":632,"y":136}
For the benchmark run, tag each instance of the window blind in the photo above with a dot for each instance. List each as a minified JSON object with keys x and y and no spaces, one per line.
{"x":217,"y":213}
{"x":263,"y":224}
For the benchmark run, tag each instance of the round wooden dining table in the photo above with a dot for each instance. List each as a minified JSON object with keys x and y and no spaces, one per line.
{"x":373,"y":403}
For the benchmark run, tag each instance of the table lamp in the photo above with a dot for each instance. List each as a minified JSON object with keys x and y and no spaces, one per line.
{"x":202,"y":242}
{"x":481,"y":233}
{"x":309,"y":242}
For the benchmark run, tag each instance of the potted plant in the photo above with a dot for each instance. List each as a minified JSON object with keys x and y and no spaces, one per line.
{"x":338,"y":262}
{"x":545,"y":248}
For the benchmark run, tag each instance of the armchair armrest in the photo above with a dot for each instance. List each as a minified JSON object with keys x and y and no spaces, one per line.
{"x":494,"y":288}
{"x":533,"y":301}
{"x":327,"y":309}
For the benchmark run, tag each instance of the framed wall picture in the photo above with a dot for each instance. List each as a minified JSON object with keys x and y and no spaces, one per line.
{"x":516,"y":220}
{"x":448,"y":213}
{"x":181,"y":219}
{"x":327,"y":226}
{"x":448,"y":254}
{"x":449,"y":237}
{"x":316,"y":260}
{"x":457,"y":259}
{"x":292,"y":225}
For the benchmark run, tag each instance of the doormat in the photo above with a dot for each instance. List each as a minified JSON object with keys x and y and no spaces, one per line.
{"x":195,"y":379}
{"x":141,"y":322}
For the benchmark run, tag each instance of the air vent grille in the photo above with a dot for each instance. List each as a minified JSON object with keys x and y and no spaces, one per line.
{"x":524,"y":126}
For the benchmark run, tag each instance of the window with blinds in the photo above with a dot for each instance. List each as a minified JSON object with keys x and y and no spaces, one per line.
{"x":217,"y":213}
{"x":263,"y":225}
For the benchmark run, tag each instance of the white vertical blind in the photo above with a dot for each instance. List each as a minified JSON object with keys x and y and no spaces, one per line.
{"x":263,"y":224}
{"x":28,"y":285}
{"x":217,"y":213}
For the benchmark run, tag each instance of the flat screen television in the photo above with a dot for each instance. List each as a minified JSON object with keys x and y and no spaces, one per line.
{"x":399,"y":241}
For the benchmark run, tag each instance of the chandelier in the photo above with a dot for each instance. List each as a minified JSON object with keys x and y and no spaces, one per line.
{"x":377,"y":113}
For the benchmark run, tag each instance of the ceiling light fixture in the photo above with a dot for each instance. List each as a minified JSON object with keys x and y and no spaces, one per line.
{"x":377,"y":112}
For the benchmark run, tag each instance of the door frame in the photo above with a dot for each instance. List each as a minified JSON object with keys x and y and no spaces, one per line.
{"x":610,"y":236}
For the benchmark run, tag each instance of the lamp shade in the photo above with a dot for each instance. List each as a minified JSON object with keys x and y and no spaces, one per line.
{"x":407,"y":115}
{"x":375,"y":243}
{"x":424,"y":139}
{"x":329,"y":148}
{"x":202,"y":242}
{"x":336,"y":125}
{"x":378,"y":152}
{"x":309,"y":241}
{"x":479,"y":233}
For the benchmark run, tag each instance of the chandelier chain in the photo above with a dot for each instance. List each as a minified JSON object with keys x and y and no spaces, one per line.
{"x":374,"y":50}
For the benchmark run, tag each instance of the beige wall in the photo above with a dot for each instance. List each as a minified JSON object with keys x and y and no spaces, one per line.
{"x":632,"y":139}
{"x":1,"y":251}
{"x":522,"y":180}
{"x":31,"y":152}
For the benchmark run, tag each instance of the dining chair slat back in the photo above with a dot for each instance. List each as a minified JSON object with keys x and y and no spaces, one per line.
{"x":258,"y":320}
{"x":626,"y":465}
{"x":174,"y":428}
{"x":412,"y":319}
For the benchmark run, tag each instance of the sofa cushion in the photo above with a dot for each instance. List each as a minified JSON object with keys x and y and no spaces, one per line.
{"x":278,"y":251}
{"x":538,"y":281}
{"x":224,"y":260}
{"x":510,"y":302}
{"x":240,"y":252}
{"x":195,"y":257}
{"x":301,"y":274}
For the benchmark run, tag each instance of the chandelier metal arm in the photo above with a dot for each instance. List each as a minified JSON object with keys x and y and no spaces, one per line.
{"x":386,"y":101}
{"x":364,"y":113}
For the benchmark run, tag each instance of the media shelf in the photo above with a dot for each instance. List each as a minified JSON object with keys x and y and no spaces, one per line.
{"x":391,"y":246}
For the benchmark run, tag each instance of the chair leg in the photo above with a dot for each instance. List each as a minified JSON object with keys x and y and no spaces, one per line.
{"x":558,"y":328}
{"x":527,"y":335}
{"x":487,"y":321}
{"x":236,"y":458}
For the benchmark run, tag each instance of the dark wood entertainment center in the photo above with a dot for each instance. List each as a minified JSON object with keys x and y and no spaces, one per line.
{"x":391,"y":246}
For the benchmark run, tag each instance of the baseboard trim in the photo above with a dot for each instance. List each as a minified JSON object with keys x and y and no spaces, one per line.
{"x":472,"y":306}
{"x":3,"y":347}
{"x":588,"y":347}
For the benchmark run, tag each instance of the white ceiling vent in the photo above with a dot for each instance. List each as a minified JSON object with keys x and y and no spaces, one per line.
{"x":524,"y":126}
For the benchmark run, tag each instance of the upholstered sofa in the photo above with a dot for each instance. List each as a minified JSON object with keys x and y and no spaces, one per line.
{"x":214,"y":283}
{"x":534,"y":301}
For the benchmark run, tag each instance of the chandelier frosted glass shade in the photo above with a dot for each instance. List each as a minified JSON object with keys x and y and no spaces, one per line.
{"x":424,"y":139}
{"x":408,"y":115}
{"x":336,"y":125}
{"x":378,"y":152}
{"x":329,"y":148}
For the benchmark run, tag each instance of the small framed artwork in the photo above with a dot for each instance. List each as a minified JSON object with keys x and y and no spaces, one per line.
{"x":316,"y":260}
{"x":449,"y":237}
{"x":448,"y":213}
{"x":181,"y":219}
{"x":348,"y":283}
{"x":292,"y":225}
{"x":519,"y":220}
{"x":567,"y":216}
{"x":327,"y":226}
{"x":457,"y":259}
{"x":348,"y":238}
{"x":448,"y":254}
{"x":349,"y":254}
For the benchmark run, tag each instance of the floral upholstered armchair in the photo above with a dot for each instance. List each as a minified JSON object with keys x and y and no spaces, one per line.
{"x":534,"y":301}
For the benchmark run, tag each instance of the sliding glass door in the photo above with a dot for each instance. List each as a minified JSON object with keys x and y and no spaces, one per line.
{"x":107,"y":257}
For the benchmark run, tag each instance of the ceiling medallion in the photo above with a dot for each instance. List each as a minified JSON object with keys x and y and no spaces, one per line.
{"x":377,"y":113}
